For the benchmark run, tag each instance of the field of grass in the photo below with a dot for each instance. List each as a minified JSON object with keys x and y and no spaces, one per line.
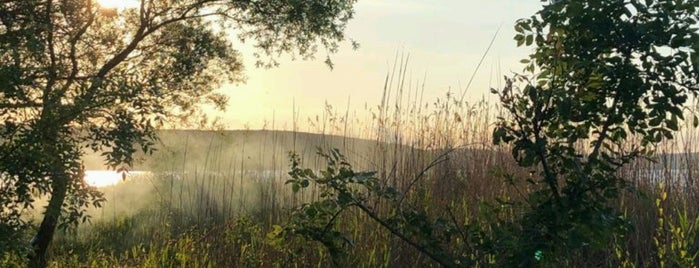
{"x":216,"y":199}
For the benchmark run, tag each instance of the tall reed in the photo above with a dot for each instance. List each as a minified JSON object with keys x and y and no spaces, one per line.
{"x":223,"y":191}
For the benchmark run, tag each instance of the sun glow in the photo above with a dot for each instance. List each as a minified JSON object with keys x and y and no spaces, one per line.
{"x":118,"y":4}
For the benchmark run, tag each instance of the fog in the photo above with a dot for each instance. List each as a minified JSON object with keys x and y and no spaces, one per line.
{"x":198,"y":176}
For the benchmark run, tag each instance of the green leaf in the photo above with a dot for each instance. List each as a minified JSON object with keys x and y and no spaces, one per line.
{"x":672,"y":123}
{"x":668,"y":134}
{"x":539,"y":40}
{"x":311,"y":212}
{"x":518,"y":28}
{"x":589,"y":96}
{"x":344,"y":198}
{"x":520,"y":39}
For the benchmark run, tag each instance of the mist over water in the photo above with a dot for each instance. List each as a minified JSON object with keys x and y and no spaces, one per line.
{"x":198,"y":176}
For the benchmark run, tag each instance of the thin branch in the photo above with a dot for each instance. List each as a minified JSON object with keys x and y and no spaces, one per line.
{"x":605,"y":127}
{"x":549,"y":175}
{"x":598,"y":144}
{"x":332,"y":220}
{"x":73,"y":51}
{"x":422,"y":248}
{"x":441,"y":158}
{"x":463,"y":235}
{"x":50,"y":81}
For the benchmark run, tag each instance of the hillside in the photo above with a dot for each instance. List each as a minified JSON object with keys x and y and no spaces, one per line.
{"x":252,"y":149}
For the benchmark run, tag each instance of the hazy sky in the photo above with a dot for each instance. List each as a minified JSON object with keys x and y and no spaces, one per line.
{"x":444,"y":38}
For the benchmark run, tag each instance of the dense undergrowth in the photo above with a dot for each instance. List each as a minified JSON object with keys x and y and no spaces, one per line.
{"x":439,"y":161}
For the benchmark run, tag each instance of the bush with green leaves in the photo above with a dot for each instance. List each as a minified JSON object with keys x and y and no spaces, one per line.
{"x":341,"y":190}
{"x":602,"y":74}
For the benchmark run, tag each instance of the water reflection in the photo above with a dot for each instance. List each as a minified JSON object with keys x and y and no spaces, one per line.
{"x":103,"y":178}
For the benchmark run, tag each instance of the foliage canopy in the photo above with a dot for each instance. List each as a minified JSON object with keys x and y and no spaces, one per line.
{"x":607,"y":81}
{"x":74,"y":76}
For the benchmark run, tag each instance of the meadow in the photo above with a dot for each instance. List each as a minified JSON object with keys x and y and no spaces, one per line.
{"x":217,"y":198}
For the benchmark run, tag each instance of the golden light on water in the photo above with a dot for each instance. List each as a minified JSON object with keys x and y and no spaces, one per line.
{"x":102,"y":178}
{"x":118,"y":4}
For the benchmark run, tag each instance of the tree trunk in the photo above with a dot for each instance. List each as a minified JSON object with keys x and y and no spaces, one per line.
{"x":48,"y":226}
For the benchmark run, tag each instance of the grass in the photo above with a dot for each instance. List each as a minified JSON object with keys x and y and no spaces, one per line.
{"x":217,"y":197}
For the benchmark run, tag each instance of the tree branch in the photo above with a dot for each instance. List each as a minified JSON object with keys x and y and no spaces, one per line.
{"x":605,"y":127}
{"x":51,"y":76}
{"x":422,"y":248}
{"x":73,"y":50}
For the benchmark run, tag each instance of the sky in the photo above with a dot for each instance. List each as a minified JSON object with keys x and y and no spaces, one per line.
{"x":445,"y":39}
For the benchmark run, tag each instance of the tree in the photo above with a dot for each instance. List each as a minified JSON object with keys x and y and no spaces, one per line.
{"x":603,"y":74}
{"x":75,"y":76}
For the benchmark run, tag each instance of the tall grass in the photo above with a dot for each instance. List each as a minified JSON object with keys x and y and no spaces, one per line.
{"x":216,"y":196}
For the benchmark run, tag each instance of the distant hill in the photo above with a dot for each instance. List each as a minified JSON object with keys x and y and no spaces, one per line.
{"x":236,"y":150}
{"x":250,"y":149}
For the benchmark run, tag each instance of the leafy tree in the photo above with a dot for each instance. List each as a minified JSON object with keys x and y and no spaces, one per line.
{"x":75,"y":76}
{"x":603,"y":74}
